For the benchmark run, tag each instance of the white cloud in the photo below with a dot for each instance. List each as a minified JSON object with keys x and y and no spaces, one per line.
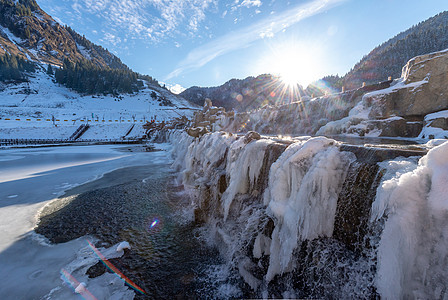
{"x":249,"y":3}
{"x":246,"y":3}
{"x":153,"y":19}
{"x":244,"y":37}
{"x":112,"y":39}
{"x":267,"y":34}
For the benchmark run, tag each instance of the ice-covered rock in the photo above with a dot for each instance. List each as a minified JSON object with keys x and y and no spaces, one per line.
{"x":422,"y":89}
{"x":413,"y":247}
{"x":122,"y":246}
{"x":205,"y":121}
{"x":81,"y":288}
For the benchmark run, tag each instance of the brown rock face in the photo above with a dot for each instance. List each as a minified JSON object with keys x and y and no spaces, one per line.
{"x":424,"y":89}
{"x":197,"y":131}
{"x":439,"y":123}
{"x":204,"y":120}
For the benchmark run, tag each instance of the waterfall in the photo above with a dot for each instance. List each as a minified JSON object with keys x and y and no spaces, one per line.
{"x":301,"y":197}
{"x":317,"y":218}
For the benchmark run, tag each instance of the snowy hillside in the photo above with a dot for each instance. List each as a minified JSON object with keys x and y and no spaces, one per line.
{"x":27,"y":110}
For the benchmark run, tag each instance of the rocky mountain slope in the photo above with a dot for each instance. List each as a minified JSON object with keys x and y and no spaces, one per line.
{"x":53,"y":80}
{"x":30,"y":38}
{"x":27,"y":31}
{"x":242,"y":94}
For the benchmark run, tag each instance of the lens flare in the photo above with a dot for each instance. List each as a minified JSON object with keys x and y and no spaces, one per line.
{"x":114,"y":269}
{"x":154,"y":223}
{"x":73,"y":283}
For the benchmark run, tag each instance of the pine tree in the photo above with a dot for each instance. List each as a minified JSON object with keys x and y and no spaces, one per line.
{"x":50,"y":70}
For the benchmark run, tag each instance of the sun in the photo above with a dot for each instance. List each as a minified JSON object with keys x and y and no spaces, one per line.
{"x":291,"y":76}
{"x":295,"y":63}
{"x":293,"y":66}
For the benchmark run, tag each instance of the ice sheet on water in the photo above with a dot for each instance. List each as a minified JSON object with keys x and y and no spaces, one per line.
{"x":10,"y":157}
{"x":73,"y":275}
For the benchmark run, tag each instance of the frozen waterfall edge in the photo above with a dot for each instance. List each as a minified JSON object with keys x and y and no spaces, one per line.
{"x":317,"y":218}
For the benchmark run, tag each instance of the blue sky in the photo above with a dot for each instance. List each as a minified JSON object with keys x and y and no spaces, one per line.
{"x":207,"y":42}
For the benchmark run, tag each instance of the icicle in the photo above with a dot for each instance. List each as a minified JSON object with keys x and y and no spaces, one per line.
{"x":302,"y":196}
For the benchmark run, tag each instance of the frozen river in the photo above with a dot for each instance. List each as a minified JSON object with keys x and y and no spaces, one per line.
{"x":30,"y":179}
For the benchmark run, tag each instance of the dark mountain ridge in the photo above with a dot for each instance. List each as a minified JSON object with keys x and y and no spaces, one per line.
{"x":242,"y":94}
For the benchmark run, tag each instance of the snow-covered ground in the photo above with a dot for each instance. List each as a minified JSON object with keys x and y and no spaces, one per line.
{"x":30,"y":179}
{"x":44,"y":109}
{"x":95,"y":132}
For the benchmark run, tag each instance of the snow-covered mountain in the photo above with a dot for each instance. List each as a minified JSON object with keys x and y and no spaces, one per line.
{"x":52,"y":80}
{"x":41,"y":108}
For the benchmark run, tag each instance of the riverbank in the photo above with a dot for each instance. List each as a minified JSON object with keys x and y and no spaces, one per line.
{"x":30,"y":266}
{"x":165,"y":258}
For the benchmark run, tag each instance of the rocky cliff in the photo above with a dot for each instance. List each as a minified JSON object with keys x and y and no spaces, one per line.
{"x":422,"y":89}
{"x":404,"y":107}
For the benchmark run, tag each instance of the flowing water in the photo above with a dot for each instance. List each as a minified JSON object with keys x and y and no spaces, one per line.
{"x":143,"y":206}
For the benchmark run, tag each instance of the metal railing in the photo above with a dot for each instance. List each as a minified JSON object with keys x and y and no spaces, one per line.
{"x":12,"y":142}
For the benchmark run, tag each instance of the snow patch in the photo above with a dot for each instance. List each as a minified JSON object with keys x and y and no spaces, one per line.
{"x":437,"y":115}
{"x":81,"y":288}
